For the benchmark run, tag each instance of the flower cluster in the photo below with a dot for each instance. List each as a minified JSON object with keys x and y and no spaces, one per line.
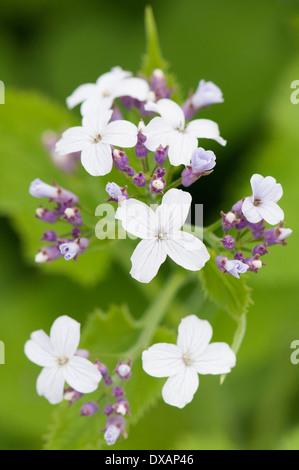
{"x":62,"y":362}
{"x":246,"y":223}
{"x":65,"y":209}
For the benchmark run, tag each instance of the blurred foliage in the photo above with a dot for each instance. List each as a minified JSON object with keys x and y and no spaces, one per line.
{"x":250,"y":49}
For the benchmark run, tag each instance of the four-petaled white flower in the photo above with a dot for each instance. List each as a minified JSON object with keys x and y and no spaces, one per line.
{"x":161,"y":235}
{"x":170,"y":129}
{"x":57,"y":355}
{"x":183,"y":362}
{"x":94,"y":140}
{"x":263,"y":202}
{"x":100,"y":96}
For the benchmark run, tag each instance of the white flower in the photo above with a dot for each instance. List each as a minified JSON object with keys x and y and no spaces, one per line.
{"x":183,"y":362}
{"x":57,"y":355}
{"x":170,"y":129}
{"x":263,"y":202}
{"x":100,"y":96}
{"x":161,"y":235}
{"x":236,"y":267}
{"x":95,"y":138}
{"x":207,"y":93}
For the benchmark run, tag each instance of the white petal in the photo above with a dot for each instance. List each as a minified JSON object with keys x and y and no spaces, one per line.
{"x":82,"y":375}
{"x":120,"y":133}
{"x":174,"y":210}
{"x":137,"y":218}
{"x":65,"y":336}
{"x":205,"y":129}
{"x":218,"y":358}
{"x":266,"y":188}
{"x":96,"y":104}
{"x":157,"y":132}
{"x":39,"y":349}
{"x":50,"y":384}
{"x":162,"y":360}
{"x":97,"y":159}
{"x":72,"y":140}
{"x":169,"y":111}
{"x":271,"y":212}
{"x":179,"y":389}
{"x":147,"y":259}
{"x":96,"y":123}
{"x":137,"y":88}
{"x":82,"y":93}
{"x":189,"y":253}
{"x":181,"y":147}
{"x":250,"y":211}
{"x":194,"y":336}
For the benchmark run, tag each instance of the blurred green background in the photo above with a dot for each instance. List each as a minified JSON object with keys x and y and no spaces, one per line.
{"x":249,"y":49}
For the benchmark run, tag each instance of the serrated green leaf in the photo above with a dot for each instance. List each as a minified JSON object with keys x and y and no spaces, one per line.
{"x":231,"y":294}
{"x":110,"y":337}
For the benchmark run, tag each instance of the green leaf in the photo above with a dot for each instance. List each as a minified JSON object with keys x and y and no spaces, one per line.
{"x":109,"y":337}
{"x":153,"y":58}
{"x":23,"y":120}
{"x":231,"y":294}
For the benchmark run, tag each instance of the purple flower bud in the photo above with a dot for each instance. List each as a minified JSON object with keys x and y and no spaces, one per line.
{"x":89,"y":408}
{"x":257,"y":229}
{"x":108,"y":381}
{"x":159,"y":85}
{"x":121,"y":407}
{"x":71,"y":395}
{"x":73,"y":216}
{"x":188,"y":176}
{"x":118,"y":391}
{"x":239,"y":256}
{"x":140,"y":150}
{"x":277,"y":235}
{"x":76,"y":232}
{"x":243,"y":222}
{"x":237,"y":207}
{"x":161,"y":154}
{"x":108,"y":410}
{"x":129,"y":171}
{"x":82,"y":353}
{"x":71,"y":250}
{"x":254,"y":263}
{"x":228,"y":242}
{"x":49,"y":236}
{"x":260,"y":250}
{"x":120,"y":159}
{"x":221,"y":262}
{"x":117,"y":115}
{"x":46,"y":215}
{"x":123,"y":369}
{"x":115,"y":427}
{"x":139,"y":179}
{"x":40,"y":189}
{"x":228,"y":220}
{"x":48,"y":254}
{"x":116,"y":193}
{"x":158,"y":183}
{"x":67,"y":163}
{"x":102,"y":368}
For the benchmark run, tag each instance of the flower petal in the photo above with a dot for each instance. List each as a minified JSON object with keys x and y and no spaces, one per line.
{"x":181,"y":147}
{"x":157,"y":132}
{"x":251,"y":211}
{"x":218,"y":358}
{"x":121,"y":133}
{"x":95,"y":124}
{"x":266,"y":188}
{"x":82,"y":375}
{"x":82,"y":93}
{"x":190,"y":253}
{"x":135,"y":87}
{"x":72,"y":140}
{"x":65,"y":336}
{"x":39,"y":349}
{"x":205,"y":129}
{"x":147,"y":259}
{"x":169,"y":111}
{"x":179,"y":389}
{"x":194,"y":336}
{"x":271,"y":212}
{"x":97,"y":159}
{"x":137,"y":218}
{"x":162,"y":360}
{"x":50,"y":384}
{"x":174,"y":210}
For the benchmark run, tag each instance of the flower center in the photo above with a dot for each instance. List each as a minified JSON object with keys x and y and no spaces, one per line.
{"x":105,"y":93}
{"x":97,"y":138}
{"x":187,"y":359}
{"x":256,"y":202}
{"x":161,"y":236}
{"x":61,"y":361}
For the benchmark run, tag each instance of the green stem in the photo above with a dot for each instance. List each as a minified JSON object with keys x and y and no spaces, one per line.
{"x":156,"y":311}
{"x":175,"y":184}
{"x":215,"y":226}
{"x":238,"y":338}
